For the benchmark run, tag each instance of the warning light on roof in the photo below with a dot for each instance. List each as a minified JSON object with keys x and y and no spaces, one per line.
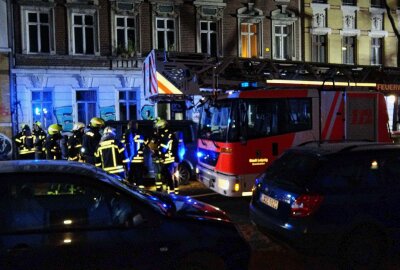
{"x":248,"y":85}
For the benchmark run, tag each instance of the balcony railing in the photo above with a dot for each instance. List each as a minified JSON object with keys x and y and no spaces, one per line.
{"x":126,"y":63}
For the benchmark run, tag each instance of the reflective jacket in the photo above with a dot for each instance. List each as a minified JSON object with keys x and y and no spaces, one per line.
{"x":53,"y":146}
{"x":74,"y":145}
{"x":90,"y":141}
{"x":134,"y":145}
{"x":39,"y":138}
{"x":165,"y":146}
{"x":111,"y":156}
{"x":24,"y":142}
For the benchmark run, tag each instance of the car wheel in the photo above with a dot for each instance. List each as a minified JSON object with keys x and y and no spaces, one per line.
{"x":184,"y":174}
{"x":200,"y":261}
{"x":364,"y":248}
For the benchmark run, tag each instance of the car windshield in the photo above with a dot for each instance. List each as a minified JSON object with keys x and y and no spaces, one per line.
{"x":293,"y":168}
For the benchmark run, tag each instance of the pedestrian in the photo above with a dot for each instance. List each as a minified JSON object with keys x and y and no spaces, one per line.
{"x":91,"y":139}
{"x":24,"y":142}
{"x":134,"y":144}
{"x":53,"y":142}
{"x":74,"y":143}
{"x":165,"y":154}
{"x":39,"y":138}
{"x":111,"y":154}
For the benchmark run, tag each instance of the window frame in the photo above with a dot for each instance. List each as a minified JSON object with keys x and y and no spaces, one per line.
{"x":128,"y":103}
{"x":208,"y":33}
{"x":83,"y":12}
{"x":25,"y":10}
{"x":349,"y":50}
{"x":317,"y":45}
{"x":46,"y":121}
{"x":86,"y":102}
{"x":376,"y":51}
{"x":165,"y":30}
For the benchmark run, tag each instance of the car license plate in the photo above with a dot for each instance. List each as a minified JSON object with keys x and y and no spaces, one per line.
{"x":271,"y":202}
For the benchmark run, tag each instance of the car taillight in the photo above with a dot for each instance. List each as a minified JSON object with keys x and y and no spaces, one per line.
{"x":305,"y":205}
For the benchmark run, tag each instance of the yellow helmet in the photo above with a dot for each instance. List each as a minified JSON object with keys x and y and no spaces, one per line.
{"x":37,"y":123}
{"x":54,"y":129}
{"x":160,"y":123}
{"x":78,"y":126}
{"x":97,"y":122}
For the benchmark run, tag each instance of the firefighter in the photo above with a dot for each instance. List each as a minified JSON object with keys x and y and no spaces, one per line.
{"x":91,"y":139}
{"x":24,"y":142}
{"x":134,"y":144}
{"x":111,"y":154}
{"x":165,"y":154}
{"x":74,"y":142}
{"x":53,"y":142}
{"x":39,"y":138}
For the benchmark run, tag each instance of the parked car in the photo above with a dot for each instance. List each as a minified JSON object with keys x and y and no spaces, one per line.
{"x":339,"y":199}
{"x":70,"y":215}
{"x":187,"y":129}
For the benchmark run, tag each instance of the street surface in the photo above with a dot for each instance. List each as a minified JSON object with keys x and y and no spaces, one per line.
{"x":265,"y":253}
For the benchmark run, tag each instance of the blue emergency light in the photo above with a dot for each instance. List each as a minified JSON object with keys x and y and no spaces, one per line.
{"x":248,"y":85}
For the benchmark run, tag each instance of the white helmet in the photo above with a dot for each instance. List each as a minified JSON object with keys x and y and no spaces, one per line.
{"x":78,"y":126}
{"x":109,"y":130}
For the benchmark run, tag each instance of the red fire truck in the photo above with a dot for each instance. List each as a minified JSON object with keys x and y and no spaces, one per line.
{"x":242,"y":132}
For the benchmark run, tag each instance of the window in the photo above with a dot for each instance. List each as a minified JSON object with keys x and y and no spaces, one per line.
{"x":348,"y":49}
{"x":250,"y":21}
{"x":349,"y":2}
{"x":208,"y":36}
{"x":37,"y":30}
{"x":165,"y":34}
{"x":83,"y":33}
{"x":377,"y":3}
{"x":42,"y":107}
{"x":125,"y":33}
{"x":319,"y":48}
{"x":86,"y":105}
{"x":127,"y":105}
{"x":249,"y":40}
{"x":376,"y":51}
{"x":282,"y":42}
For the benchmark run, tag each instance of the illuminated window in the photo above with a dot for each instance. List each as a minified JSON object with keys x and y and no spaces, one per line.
{"x":376,"y":51}
{"x":127,"y":105}
{"x":42,"y":107}
{"x":86,"y":105}
{"x":348,"y":50}
{"x":249,"y":40}
{"x":250,"y":21}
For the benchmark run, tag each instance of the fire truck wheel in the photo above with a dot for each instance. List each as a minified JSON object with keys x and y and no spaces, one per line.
{"x":184,"y":174}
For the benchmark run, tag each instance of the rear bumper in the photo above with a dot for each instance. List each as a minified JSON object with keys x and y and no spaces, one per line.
{"x":295,"y":234}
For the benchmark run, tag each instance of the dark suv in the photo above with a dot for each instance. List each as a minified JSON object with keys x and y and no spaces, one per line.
{"x":333,"y":198}
{"x":187,"y":130}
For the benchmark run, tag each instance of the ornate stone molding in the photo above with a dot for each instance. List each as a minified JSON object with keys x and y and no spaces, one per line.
{"x":127,"y":81}
{"x":37,"y":81}
{"x":84,"y":81}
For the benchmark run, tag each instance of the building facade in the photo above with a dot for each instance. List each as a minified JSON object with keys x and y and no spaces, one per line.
{"x":76,"y":59}
{"x":5,"y":82}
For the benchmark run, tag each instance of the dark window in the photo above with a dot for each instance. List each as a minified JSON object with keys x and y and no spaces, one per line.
{"x":38,"y":32}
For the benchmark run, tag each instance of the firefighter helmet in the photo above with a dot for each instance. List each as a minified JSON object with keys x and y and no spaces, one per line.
{"x":37,"y":123}
{"x":109,"y":131}
{"x":97,"y":122}
{"x":54,"y":129}
{"x":78,"y":126}
{"x":160,"y":123}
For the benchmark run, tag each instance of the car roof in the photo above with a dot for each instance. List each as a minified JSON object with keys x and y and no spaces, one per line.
{"x":50,"y":166}
{"x":329,"y":148}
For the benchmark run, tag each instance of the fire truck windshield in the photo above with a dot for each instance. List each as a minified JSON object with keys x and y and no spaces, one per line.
{"x":219,"y":122}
